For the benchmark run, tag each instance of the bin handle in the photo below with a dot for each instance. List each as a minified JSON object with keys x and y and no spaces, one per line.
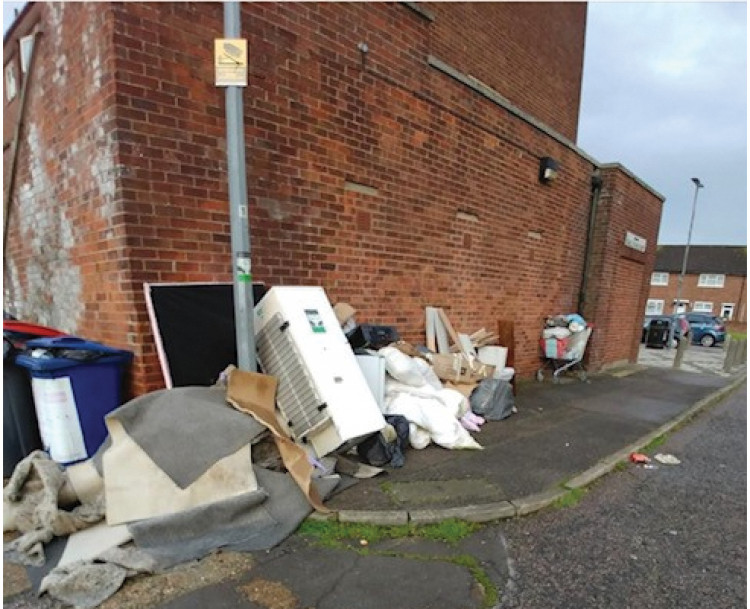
{"x":62,"y":341}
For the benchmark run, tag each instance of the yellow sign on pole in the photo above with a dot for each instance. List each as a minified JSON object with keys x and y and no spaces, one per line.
{"x":230,"y":62}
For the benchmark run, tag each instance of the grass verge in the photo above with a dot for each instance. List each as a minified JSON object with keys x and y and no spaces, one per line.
{"x":655,"y":443}
{"x":570,"y":499}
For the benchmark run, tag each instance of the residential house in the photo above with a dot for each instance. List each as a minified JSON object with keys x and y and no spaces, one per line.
{"x":715,"y":281}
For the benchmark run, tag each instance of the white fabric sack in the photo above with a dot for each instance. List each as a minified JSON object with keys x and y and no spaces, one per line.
{"x":394,"y":388}
{"x":453,"y":400}
{"x":428,"y":373}
{"x":419,"y":437}
{"x":401,"y":367}
{"x":432,"y":414}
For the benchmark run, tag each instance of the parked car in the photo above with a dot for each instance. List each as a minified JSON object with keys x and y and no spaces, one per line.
{"x":708,"y":330}
{"x":678,"y":322}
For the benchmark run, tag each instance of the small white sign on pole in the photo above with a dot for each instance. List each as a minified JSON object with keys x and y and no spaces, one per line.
{"x":230,"y":62}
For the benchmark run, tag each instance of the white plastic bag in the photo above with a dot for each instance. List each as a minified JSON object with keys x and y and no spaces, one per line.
{"x":401,"y":367}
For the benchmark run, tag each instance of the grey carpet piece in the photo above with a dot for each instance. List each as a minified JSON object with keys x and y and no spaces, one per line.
{"x":32,"y":498}
{"x":249,"y":522}
{"x":84,"y":586}
{"x":209,"y":429}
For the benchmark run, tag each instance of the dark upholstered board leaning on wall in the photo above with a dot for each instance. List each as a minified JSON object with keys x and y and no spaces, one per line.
{"x":193,"y":325}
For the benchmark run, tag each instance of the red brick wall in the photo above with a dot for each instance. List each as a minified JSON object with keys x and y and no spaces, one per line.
{"x":455,"y":216}
{"x":734,"y":291}
{"x":620,"y":276}
{"x":532,"y":53}
{"x":316,"y":120}
{"x":64,"y":263}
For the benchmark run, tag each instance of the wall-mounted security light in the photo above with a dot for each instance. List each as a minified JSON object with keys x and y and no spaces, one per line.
{"x":363,"y":51}
{"x":548,"y":169}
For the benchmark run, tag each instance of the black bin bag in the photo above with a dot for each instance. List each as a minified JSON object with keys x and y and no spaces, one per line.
{"x":493,"y":399}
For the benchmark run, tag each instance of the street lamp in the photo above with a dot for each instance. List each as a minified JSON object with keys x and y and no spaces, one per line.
{"x":698,"y":185}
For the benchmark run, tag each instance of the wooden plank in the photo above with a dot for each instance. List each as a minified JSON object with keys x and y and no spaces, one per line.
{"x":442,"y":336}
{"x":448,"y":326}
{"x":482,"y":336}
{"x":466,"y":346}
{"x":478,"y":339}
{"x":429,"y":313}
{"x":478,"y":334}
{"x":488,"y":340}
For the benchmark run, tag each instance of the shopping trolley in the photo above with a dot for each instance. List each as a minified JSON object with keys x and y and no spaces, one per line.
{"x":561,"y":354}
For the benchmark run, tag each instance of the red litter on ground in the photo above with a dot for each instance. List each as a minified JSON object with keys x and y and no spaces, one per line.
{"x":639,"y":458}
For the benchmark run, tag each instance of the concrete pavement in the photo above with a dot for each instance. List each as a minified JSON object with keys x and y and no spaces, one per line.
{"x":562,"y":433}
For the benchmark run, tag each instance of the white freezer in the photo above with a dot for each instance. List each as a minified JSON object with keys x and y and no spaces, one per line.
{"x":323,"y":398}
{"x":373,"y":368}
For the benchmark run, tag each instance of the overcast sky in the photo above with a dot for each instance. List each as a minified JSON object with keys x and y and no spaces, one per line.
{"x":665,"y":94}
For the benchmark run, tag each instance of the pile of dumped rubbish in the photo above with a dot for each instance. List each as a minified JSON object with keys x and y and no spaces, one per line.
{"x":181,"y":472}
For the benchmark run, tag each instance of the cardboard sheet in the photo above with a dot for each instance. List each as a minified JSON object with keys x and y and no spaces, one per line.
{"x":255,"y":394}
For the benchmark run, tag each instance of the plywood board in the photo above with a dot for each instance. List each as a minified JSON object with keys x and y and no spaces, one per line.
{"x":429,"y":313}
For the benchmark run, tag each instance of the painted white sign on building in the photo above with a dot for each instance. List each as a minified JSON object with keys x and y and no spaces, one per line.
{"x":635,"y":242}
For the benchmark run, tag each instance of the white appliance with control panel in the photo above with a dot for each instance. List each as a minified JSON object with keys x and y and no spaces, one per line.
{"x":323,"y":399}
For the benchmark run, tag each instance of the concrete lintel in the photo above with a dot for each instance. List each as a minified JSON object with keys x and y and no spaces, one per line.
{"x":363,"y":189}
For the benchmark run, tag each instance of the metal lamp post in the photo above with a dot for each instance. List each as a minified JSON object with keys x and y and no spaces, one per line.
{"x":698,"y":186}
{"x":238,"y":214}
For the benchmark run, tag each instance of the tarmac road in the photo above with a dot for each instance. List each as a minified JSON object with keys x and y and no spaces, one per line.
{"x":672,"y":537}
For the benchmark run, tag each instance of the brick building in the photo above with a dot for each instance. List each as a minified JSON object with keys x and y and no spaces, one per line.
{"x":398,"y":178}
{"x":715,"y":281}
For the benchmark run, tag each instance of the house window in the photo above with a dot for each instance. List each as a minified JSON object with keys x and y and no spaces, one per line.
{"x":654,"y":307}
{"x":10,"y":82}
{"x":681,"y":306}
{"x":26,"y":44}
{"x":703,"y":307}
{"x":659,"y":278}
{"x":727,"y":310}
{"x":708,"y":280}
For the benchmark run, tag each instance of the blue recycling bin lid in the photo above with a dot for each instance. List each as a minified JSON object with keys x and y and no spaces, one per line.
{"x":91,"y":352}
